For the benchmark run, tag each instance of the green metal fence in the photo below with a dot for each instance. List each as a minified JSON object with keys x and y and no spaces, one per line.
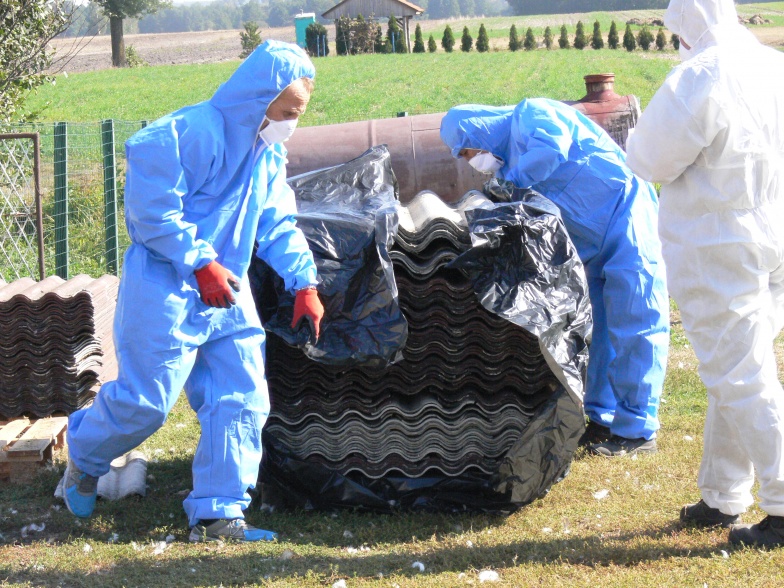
{"x":82,"y":180}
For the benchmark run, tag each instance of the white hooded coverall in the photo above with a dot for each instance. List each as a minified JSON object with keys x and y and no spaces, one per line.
{"x":713,"y":136}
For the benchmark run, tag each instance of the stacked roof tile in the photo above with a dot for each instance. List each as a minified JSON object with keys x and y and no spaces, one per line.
{"x":466,"y":389}
{"x":56,"y":344}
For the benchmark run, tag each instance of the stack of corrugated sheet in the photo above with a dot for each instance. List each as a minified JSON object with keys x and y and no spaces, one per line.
{"x":56,"y":344}
{"x":463,"y":394}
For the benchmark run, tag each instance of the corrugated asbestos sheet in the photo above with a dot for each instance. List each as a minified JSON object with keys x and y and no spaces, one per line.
{"x":465,"y":390}
{"x":56,"y":344}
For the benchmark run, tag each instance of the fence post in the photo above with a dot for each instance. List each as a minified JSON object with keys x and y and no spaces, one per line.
{"x":110,"y":195}
{"x":61,"y":199}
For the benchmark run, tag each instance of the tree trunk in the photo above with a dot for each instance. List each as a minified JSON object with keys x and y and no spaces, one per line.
{"x":118,"y":43}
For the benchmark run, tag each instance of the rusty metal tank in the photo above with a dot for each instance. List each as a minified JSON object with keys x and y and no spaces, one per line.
{"x":615,"y":114}
{"x":420,"y":159}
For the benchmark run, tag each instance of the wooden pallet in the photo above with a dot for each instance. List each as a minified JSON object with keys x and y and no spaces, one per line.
{"x":26,"y":445}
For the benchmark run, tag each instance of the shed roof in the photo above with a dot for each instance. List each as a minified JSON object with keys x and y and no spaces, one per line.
{"x":352,"y":8}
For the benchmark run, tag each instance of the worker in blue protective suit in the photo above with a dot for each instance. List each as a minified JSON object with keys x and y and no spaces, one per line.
{"x":610,"y":215}
{"x":204,"y":184}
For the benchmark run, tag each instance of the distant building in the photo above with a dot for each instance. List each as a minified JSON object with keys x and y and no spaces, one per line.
{"x":402,"y":10}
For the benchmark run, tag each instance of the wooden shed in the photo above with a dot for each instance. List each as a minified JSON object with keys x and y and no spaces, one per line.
{"x":402,"y":10}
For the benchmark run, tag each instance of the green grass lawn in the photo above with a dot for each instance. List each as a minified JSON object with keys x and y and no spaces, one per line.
{"x":569,"y":538}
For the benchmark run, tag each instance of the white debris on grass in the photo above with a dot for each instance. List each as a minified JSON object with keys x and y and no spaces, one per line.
{"x":287,"y":554}
{"x":135,"y":546}
{"x":32,"y":528}
{"x":56,"y":507}
{"x":180,"y":425}
{"x":170,"y":538}
{"x":547,"y":530}
{"x":114,"y":538}
{"x":13,"y":511}
{"x":469,"y":544}
{"x":688,"y":438}
{"x":352,"y":549}
{"x":724,"y":554}
{"x":488,"y":576}
{"x":87,"y":548}
{"x":348,"y":534}
{"x":460,"y":576}
{"x":160,"y":547}
{"x":339,"y":584}
{"x":419,"y":566}
{"x":266,"y":507}
{"x":601,"y":494}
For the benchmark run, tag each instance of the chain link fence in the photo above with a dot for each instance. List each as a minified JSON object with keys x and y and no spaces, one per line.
{"x":82,"y":170}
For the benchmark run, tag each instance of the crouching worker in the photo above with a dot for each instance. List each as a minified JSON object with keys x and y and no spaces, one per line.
{"x":611,"y":217}
{"x":203,"y":184}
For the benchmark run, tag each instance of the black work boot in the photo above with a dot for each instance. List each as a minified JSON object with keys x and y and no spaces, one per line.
{"x":618,"y":446}
{"x":702,"y":515}
{"x":769,"y":532}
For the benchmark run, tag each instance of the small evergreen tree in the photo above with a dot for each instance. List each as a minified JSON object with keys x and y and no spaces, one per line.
{"x":563,"y":40}
{"x":482,"y":40}
{"x":530,"y":41}
{"x":612,"y":38}
{"x":448,"y":40}
{"x":431,"y":45}
{"x":466,"y":41}
{"x":676,"y":42}
{"x":514,"y":40}
{"x":548,"y":38}
{"x":580,"y":41}
{"x":250,"y":38}
{"x":379,"y":41}
{"x":596,"y":41}
{"x":645,"y":38}
{"x":629,"y":43}
{"x":661,"y":40}
{"x":397,"y":43}
{"x":316,"y":40}
{"x":419,"y":42}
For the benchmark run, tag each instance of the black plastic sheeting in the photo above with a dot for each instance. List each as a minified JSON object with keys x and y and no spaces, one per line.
{"x":349,"y":217}
{"x":524,"y":268}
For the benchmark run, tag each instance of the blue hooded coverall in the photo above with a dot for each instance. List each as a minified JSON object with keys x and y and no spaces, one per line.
{"x":200,"y":187}
{"x":611,"y":217}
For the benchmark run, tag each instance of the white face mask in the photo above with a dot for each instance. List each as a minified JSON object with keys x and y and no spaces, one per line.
{"x":277,"y":131}
{"x":485,"y":163}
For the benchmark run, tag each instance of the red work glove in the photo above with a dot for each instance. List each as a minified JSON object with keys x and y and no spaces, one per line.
{"x":308,"y":306}
{"x":216,"y":284}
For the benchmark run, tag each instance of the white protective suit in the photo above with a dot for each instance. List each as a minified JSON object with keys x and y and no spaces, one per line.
{"x":713,"y":136}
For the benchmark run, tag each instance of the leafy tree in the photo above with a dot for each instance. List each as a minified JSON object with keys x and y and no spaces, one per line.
{"x":118,"y":11}
{"x":548,"y":38}
{"x":316,"y":40}
{"x":629,"y":42}
{"x":661,"y":40}
{"x":596,"y":41}
{"x":419,"y":42}
{"x":514,"y":40}
{"x":353,"y":36}
{"x":612,"y":38}
{"x":431,"y":45}
{"x":395,"y":36}
{"x":482,"y":40}
{"x":26,"y":27}
{"x":530,"y":41}
{"x":466,"y":41}
{"x":448,"y":40}
{"x":580,"y":40}
{"x":250,"y":38}
{"x":645,"y":38}
{"x":563,"y":40}
{"x":676,"y":42}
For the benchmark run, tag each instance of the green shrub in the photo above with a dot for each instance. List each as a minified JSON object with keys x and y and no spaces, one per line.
{"x":645,"y":38}
{"x":419,"y":43}
{"x":580,"y":40}
{"x":133,"y":59}
{"x":316,"y":40}
{"x":466,"y":41}
{"x":482,"y":40}
{"x":596,"y":40}
{"x":661,"y":40}
{"x":514,"y":40}
{"x":395,"y":36}
{"x":548,"y":38}
{"x":431,"y":45}
{"x":448,"y":40}
{"x":676,"y":41}
{"x":629,"y":43}
{"x":563,"y":40}
{"x":530,"y":41}
{"x":250,"y":38}
{"x":612,"y":38}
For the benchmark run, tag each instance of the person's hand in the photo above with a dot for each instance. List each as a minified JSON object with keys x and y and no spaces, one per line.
{"x":216,"y":284}
{"x":307,"y":306}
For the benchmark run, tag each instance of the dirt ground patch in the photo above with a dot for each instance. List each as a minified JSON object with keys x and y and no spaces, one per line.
{"x":77,"y":55}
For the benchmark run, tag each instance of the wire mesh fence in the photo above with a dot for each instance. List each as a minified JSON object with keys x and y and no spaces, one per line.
{"x":82,"y":167}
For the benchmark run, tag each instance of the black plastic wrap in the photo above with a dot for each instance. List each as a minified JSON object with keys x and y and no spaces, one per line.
{"x":349,"y":217}
{"x":525,"y":269}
